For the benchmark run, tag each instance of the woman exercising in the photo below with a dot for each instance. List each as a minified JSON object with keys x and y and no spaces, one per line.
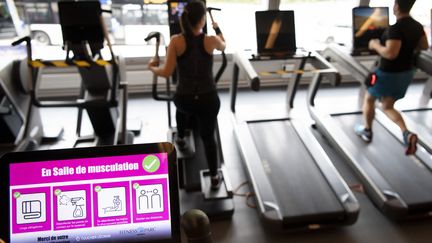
{"x":395,"y":72}
{"x":196,"y":95}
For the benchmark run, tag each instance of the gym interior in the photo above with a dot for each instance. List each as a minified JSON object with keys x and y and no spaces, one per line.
{"x":91,"y":148}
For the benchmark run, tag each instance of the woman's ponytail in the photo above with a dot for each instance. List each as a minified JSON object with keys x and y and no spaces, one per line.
{"x":185,"y":25}
{"x":192,"y":14}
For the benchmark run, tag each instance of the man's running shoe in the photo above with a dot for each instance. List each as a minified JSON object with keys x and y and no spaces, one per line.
{"x":364,"y":133}
{"x":410,"y":142}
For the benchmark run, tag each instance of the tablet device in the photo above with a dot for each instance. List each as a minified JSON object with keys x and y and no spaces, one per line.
{"x":368,"y":23}
{"x":275,"y":32}
{"x":105,"y":194}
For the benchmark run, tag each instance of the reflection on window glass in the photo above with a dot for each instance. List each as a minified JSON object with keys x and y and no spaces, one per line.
{"x":131,"y":23}
{"x":421,"y":11}
{"x":7,"y":29}
{"x":321,"y":22}
{"x":237,"y":21}
{"x":317,"y":21}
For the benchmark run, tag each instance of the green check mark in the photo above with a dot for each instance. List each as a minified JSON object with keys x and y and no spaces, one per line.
{"x":151,"y":163}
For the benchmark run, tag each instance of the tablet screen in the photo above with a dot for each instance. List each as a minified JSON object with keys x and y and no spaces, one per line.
{"x":368,"y":23}
{"x":91,"y":199}
{"x":275,"y":31}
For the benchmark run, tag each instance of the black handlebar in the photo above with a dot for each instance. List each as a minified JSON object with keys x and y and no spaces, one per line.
{"x":224,"y":59}
{"x":26,"y":39}
{"x":153,"y":35}
{"x":155,"y":93}
{"x":222,"y":68}
{"x":211,"y":8}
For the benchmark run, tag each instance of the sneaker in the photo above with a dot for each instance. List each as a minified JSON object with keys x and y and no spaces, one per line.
{"x":216,"y":182}
{"x":181,"y":143}
{"x":364,"y":133}
{"x":410,"y":142}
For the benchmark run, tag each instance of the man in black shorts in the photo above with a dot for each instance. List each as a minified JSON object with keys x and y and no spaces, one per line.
{"x":397,"y":47}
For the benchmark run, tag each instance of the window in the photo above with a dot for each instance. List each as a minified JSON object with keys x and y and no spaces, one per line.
{"x":237,"y":21}
{"x":6,"y":24}
{"x":36,"y":13}
{"x":319,"y":22}
{"x":421,"y":11}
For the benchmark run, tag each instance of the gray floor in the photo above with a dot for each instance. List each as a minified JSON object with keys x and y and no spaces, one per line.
{"x":245,"y":225}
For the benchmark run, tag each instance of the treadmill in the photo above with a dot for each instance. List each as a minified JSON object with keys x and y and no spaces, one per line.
{"x":399,"y":185}
{"x":294,"y":182}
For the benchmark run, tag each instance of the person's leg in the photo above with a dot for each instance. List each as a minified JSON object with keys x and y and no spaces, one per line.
{"x":183,"y":106}
{"x":410,"y":139}
{"x":387,"y":105}
{"x":207,"y":124}
{"x":182,"y":120}
{"x":397,"y":88}
{"x":368,"y":110}
{"x":365,"y":131}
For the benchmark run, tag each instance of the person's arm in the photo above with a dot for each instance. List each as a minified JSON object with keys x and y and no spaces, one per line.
{"x":218,"y":40}
{"x":423,"y":43}
{"x":170,"y":61}
{"x":390,"y":51}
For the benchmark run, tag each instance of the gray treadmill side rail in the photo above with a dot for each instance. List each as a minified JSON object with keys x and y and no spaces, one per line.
{"x":265,"y":195}
{"x":376,"y":186}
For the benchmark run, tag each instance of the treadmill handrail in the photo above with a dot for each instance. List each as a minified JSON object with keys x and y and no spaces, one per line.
{"x":336,"y":54}
{"x":242,"y":63}
{"x":327,"y":70}
{"x":245,"y":65}
{"x":424,"y":61}
{"x":323,"y":69}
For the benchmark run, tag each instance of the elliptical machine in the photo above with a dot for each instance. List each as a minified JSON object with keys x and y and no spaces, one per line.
{"x":103,"y":95}
{"x":20,"y":121}
{"x":194,"y":175}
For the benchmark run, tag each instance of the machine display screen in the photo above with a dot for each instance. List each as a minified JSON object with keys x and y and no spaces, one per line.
{"x":368,"y":23}
{"x":97,"y":199}
{"x":275,"y":31}
{"x":175,"y":11}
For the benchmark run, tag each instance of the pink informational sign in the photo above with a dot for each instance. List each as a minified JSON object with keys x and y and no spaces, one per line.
{"x":71,"y":207}
{"x":150,"y":202}
{"x":86,"y":199}
{"x":32,"y":210}
{"x":111,"y":203}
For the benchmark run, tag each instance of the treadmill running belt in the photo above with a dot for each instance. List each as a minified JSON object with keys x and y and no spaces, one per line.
{"x":410,"y":180}
{"x":299,"y":185}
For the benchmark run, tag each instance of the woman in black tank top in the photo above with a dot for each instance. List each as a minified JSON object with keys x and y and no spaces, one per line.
{"x":196,"y":96}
